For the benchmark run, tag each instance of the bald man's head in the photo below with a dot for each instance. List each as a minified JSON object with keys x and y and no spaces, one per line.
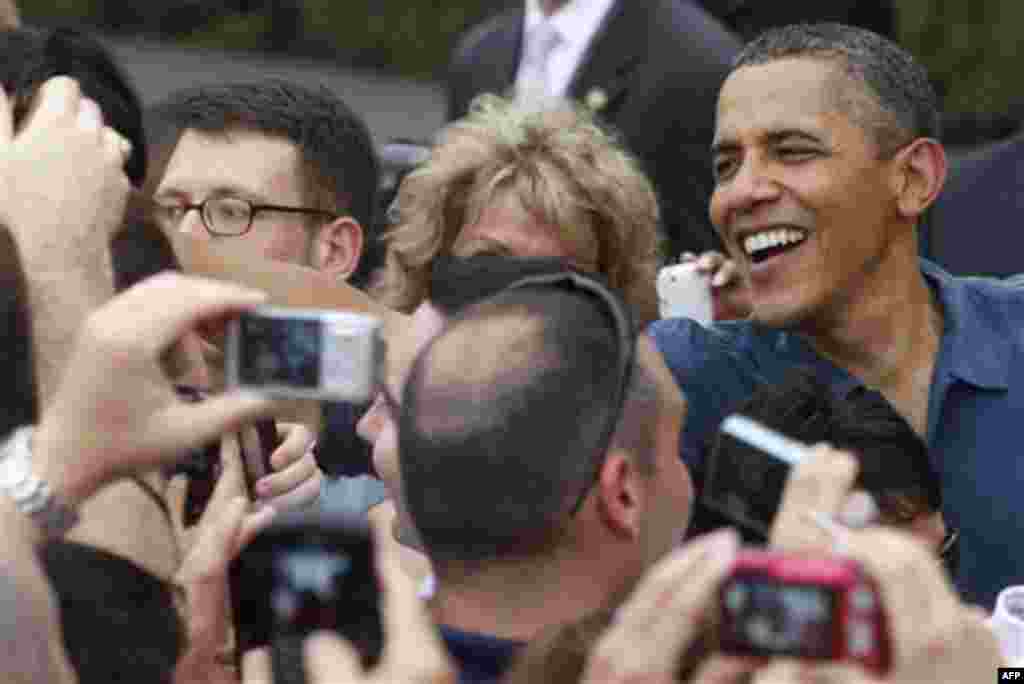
{"x":504,"y":417}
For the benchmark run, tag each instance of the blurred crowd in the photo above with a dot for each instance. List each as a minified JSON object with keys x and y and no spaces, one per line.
{"x":561,"y":471}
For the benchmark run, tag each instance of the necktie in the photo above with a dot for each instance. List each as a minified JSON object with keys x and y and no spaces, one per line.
{"x":533,"y":88}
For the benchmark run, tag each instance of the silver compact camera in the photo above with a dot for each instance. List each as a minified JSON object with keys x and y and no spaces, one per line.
{"x":305,"y":354}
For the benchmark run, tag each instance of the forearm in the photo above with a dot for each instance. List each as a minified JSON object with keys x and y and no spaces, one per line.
{"x":63,"y":289}
{"x":33,"y":650}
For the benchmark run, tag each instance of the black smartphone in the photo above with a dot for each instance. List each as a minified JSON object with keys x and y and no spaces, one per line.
{"x":202,"y":465}
{"x":307,"y":572}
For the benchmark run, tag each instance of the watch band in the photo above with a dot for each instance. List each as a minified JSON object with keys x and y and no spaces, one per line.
{"x":31,"y":495}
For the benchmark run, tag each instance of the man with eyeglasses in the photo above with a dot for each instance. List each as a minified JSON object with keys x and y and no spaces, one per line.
{"x":277,"y":170}
{"x":274,"y":170}
{"x":538,"y":443}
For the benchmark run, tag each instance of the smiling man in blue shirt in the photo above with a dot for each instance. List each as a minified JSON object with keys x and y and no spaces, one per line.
{"x":825,"y":158}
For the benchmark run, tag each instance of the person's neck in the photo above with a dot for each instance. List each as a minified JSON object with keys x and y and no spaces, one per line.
{"x":515,"y":602}
{"x":887,"y":333}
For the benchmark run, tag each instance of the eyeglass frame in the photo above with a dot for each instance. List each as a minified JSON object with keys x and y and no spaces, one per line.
{"x":254,"y":209}
{"x":624,"y":333}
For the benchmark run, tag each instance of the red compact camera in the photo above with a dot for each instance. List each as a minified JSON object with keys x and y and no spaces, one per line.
{"x":794,"y":605}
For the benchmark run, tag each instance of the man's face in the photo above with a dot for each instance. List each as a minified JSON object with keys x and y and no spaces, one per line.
{"x":379,"y":426}
{"x":248,"y":165}
{"x":802,"y":201}
{"x":670,"y":489}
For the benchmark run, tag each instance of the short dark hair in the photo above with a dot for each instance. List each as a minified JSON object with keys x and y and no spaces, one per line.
{"x":30,"y":57}
{"x":18,"y":402}
{"x":493,"y":457}
{"x":119,"y":622}
{"x":905,"y":103}
{"x":337,"y":152}
{"x":140,"y":249}
{"x":894,"y":465}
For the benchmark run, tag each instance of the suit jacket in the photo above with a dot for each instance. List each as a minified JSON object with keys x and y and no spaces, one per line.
{"x":660,"y":64}
{"x":975,"y":227}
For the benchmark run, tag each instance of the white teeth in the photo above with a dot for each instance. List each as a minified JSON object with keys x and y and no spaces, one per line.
{"x":772,"y":238}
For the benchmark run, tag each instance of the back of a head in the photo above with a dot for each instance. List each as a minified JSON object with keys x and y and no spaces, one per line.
{"x":901,"y":103}
{"x":893,"y":460}
{"x":119,"y":622}
{"x":338,"y":157}
{"x":561,"y":166}
{"x":30,"y":57}
{"x":501,"y":417}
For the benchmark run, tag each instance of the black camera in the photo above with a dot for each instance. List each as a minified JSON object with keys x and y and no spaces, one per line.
{"x":747,"y":473}
{"x":308,"y":572}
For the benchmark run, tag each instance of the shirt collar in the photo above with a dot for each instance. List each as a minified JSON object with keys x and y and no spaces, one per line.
{"x":576,"y":22}
{"x":972,"y":348}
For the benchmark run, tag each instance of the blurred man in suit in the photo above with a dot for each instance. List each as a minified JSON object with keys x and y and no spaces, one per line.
{"x":986,"y":185}
{"x":8,"y":15}
{"x":649,"y":69}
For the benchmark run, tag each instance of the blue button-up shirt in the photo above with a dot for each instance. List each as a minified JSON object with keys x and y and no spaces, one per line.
{"x":975,"y":401}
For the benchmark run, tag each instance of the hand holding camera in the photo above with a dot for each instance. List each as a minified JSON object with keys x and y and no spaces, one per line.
{"x":115,"y":411}
{"x":410,"y":651}
{"x":777,"y":487}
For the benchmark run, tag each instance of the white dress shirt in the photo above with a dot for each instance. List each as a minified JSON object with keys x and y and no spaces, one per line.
{"x":576,"y":23}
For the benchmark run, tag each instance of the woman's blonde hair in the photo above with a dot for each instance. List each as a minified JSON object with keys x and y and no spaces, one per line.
{"x":561,"y":166}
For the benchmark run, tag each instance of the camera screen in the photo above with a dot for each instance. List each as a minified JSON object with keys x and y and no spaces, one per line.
{"x":766,"y":617}
{"x":279,"y":351}
{"x":293,"y":585}
{"x":744,"y":484}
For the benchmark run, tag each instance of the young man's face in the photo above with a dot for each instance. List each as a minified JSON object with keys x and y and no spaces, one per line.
{"x":247,"y":165}
{"x":802,"y":200}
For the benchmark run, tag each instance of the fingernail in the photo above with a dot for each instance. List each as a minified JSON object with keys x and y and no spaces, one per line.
{"x":723,"y":545}
{"x":90,"y":117}
{"x":859,"y":510}
{"x":263,"y":508}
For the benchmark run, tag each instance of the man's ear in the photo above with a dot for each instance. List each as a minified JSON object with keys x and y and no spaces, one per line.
{"x":620,"y":495}
{"x":338,"y":246}
{"x":920,"y":173}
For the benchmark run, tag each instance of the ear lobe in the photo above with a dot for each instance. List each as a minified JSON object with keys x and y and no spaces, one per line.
{"x":338,"y":247}
{"x":620,"y":495}
{"x":922,"y":168}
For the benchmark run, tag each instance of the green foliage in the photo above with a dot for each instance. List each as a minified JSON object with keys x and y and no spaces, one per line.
{"x":231,"y":32}
{"x":971,"y":47}
{"x":64,"y":11}
{"x":410,"y":37}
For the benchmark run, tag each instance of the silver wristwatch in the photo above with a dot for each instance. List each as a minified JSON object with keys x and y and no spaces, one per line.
{"x":31,"y":495}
